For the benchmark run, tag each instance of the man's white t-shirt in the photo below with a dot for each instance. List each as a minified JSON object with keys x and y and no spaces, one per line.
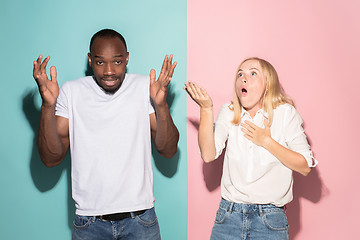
{"x":110,"y":144}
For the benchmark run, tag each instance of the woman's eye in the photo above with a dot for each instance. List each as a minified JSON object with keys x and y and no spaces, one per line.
{"x":240,"y":74}
{"x":253,"y":74}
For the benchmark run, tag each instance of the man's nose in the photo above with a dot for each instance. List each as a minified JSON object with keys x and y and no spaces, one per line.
{"x":109,"y":70}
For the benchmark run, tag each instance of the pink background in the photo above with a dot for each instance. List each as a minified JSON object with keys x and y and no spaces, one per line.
{"x":314,"y":45}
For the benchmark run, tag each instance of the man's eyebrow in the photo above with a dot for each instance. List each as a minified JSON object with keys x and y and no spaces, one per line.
{"x":116,"y":56}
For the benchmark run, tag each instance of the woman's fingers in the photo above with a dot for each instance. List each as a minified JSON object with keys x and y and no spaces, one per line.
{"x":194,"y":89}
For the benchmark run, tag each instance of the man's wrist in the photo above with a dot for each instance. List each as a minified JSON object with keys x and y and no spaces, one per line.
{"x":163,"y":105}
{"x":45,"y":106}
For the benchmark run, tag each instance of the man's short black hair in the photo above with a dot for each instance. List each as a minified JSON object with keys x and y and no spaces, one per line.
{"x":107,"y":33}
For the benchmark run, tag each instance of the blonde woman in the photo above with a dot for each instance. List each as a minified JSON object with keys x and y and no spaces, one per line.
{"x":265,"y":142}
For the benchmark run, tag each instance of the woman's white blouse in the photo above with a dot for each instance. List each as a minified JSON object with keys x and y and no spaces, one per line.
{"x":251,"y":174}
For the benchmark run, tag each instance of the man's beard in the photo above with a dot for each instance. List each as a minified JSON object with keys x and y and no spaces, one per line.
{"x":108,"y":91}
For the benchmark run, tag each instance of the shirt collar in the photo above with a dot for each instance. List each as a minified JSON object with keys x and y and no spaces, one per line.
{"x":261,"y":111}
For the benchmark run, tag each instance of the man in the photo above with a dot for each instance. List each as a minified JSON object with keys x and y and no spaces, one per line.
{"x":108,"y":120}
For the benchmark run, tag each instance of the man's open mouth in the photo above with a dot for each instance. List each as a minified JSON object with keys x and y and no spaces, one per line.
{"x":110,"y":82}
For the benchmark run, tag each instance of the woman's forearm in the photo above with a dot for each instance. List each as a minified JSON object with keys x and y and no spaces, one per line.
{"x":206,"y":134}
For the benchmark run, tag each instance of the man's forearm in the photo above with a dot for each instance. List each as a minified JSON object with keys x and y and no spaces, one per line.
{"x":167,"y":135}
{"x":51,"y":149}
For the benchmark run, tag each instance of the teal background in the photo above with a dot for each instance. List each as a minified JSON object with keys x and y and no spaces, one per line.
{"x":35,"y":201}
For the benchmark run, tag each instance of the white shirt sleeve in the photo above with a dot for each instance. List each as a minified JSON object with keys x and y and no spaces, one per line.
{"x":222,"y":127}
{"x":61,"y":108}
{"x":295,"y":137}
{"x":151,"y":107}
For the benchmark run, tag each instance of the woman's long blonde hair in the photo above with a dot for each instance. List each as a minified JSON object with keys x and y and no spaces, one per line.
{"x":274,"y":94}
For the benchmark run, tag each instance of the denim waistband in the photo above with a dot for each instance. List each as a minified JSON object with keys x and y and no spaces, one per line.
{"x":244,"y":207}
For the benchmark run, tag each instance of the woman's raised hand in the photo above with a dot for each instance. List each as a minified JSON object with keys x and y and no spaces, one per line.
{"x":199,"y":95}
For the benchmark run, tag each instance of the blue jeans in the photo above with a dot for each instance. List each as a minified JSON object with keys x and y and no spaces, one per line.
{"x":140,"y":227}
{"x":249,"y":221}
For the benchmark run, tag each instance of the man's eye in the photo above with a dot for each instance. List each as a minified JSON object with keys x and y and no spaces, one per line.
{"x":118,"y":62}
{"x":99,"y":63}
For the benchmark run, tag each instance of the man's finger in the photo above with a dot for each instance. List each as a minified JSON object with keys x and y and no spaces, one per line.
{"x":53,"y":74}
{"x":169,"y":66}
{"x":152,"y":76}
{"x":39,"y":59}
{"x":170,"y":58}
{"x":35,"y":70}
{"x":172,"y":69}
{"x":164,"y":66}
{"x":44,"y":64}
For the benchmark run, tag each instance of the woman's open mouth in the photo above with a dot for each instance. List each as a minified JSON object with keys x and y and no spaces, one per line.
{"x":243,"y":91}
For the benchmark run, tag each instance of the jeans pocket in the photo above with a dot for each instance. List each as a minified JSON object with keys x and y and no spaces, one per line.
{"x":220,"y":216}
{"x":276,"y":220}
{"x":148,"y":218}
{"x":82,"y":221}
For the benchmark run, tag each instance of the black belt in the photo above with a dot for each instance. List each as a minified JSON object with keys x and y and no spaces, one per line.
{"x":119,"y":216}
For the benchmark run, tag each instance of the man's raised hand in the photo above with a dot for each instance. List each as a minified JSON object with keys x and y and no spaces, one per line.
{"x":49,"y":89}
{"x":159,"y":88}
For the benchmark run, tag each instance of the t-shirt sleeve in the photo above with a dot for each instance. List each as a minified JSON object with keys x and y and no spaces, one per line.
{"x":151,"y":104}
{"x":62,"y":107}
{"x":151,"y":107}
{"x":295,"y":137}
{"x":221,"y":128}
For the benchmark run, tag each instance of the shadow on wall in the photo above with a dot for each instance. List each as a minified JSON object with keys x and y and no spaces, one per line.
{"x":309,"y":187}
{"x":212,"y":171}
{"x":45,"y":178}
